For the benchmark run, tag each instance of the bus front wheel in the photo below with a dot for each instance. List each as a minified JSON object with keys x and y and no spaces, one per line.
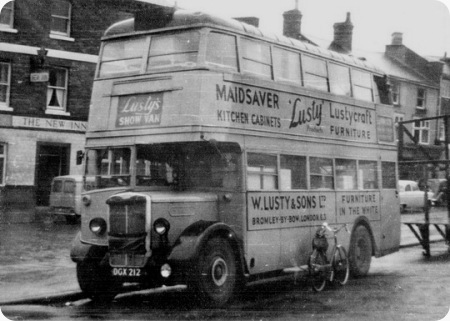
{"x":216,"y":278}
{"x":360,"y":251}
{"x":95,"y":282}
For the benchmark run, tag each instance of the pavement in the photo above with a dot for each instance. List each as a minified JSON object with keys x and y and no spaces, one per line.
{"x":35,"y":263}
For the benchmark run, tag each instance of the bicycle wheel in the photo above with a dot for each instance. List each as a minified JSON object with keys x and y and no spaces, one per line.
{"x":317,"y":262}
{"x":340,"y":266}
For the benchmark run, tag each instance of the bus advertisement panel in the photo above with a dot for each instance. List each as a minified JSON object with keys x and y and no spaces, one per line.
{"x":293,"y":114}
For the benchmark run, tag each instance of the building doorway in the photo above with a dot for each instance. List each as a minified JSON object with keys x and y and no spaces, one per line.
{"x":52,"y":160}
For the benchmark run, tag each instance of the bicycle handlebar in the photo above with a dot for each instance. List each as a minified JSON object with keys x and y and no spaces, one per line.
{"x":336,"y":229}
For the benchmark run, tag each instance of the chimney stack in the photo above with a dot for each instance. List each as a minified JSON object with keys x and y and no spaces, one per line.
{"x":292,"y":23}
{"x":343,"y":34}
{"x":397,"y":39}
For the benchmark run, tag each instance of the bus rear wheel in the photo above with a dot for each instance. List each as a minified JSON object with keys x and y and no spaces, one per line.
{"x":360,"y":251}
{"x":216,"y":279}
{"x":95,"y":281}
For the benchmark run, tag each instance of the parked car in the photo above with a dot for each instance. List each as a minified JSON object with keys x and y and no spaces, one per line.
{"x":439,"y":188}
{"x":411,"y":196}
{"x":65,"y":197}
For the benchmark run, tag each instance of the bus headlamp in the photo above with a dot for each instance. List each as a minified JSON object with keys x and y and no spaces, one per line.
{"x":161,"y":226}
{"x":97,"y":226}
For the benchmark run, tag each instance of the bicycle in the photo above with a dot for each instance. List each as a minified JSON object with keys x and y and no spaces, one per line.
{"x":321,"y":269}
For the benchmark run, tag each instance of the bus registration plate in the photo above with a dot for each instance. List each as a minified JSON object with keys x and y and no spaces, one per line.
{"x":131,"y":272}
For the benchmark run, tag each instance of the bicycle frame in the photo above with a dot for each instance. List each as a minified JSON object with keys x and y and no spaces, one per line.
{"x":323,"y":269}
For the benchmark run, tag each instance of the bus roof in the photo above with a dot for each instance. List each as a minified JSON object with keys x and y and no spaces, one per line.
{"x":184,"y":18}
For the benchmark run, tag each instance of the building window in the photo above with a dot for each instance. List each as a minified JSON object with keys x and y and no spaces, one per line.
{"x":442,"y":131}
{"x":57,"y":89}
{"x":395,"y":87}
{"x":421,"y":95}
{"x":422,"y":131}
{"x":7,"y":16}
{"x":2,"y":163}
{"x":61,"y":11}
{"x":5,"y":83}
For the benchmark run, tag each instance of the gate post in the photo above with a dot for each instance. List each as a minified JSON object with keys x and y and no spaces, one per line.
{"x":425,"y":228}
{"x":447,"y":174}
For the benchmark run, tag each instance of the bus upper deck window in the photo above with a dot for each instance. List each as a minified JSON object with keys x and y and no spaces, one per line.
{"x":121,"y":57}
{"x":221,"y":50}
{"x":315,"y":73}
{"x":384,"y":91}
{"x":362,"y":85}
{"x":174,"y":49}
{"x":256,"y":58}
{"x":286,"y":65}
{"x":339,"y":79}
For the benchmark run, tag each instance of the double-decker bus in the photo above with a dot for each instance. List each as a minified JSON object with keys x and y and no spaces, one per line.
{"x":216,"y":150}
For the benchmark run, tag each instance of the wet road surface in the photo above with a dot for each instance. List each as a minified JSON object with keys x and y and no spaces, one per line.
{"x":401,"y":286}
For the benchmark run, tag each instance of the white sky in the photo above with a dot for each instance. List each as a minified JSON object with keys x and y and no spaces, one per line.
{"x":425,"y":24}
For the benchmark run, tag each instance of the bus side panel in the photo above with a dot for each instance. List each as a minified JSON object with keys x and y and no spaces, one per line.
{"x":296,"y":246}
{"x":390,"y":228}
{"x":232,"y":212}
{"x":263,"y":250}
{"x":353,"y":206}
{"x":280,"y":224}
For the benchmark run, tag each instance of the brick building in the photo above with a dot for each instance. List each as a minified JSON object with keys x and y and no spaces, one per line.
{"x":48,"y":53}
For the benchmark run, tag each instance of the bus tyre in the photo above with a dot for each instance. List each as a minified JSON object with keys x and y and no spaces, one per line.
{"x":95,"y":281}
{"x":360,"y":251}
{"x":216,"y":278}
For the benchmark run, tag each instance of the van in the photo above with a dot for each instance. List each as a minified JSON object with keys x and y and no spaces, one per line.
{"x":65,"y":197}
